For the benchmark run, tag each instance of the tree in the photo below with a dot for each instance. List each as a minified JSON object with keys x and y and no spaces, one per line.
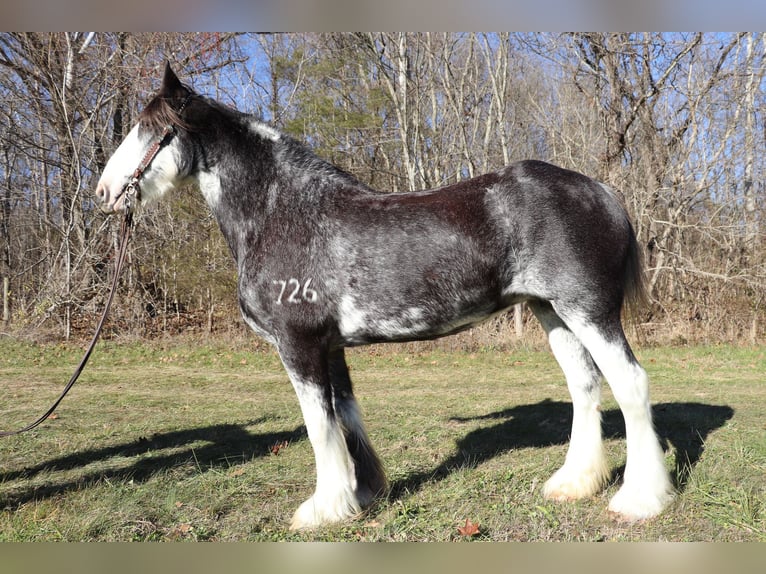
{"x":70,"y":99}
{"x":673,"y":122}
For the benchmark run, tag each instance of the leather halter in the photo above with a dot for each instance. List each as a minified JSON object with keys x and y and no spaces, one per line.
{"x":132,"y":190}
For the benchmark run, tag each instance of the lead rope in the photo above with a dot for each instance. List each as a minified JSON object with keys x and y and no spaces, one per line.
{"x":132,"y":191}
{"x":127,"y":223}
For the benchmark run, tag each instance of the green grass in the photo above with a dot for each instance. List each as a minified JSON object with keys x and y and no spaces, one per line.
{"x":172,"y":441}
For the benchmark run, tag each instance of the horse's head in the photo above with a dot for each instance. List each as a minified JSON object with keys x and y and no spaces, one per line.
{"x":160,"y":124}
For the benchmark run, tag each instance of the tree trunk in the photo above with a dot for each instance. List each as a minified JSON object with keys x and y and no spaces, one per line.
{"x":6,"y":300}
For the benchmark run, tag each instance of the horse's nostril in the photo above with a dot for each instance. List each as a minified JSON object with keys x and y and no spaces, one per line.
{"x":100,"y":192}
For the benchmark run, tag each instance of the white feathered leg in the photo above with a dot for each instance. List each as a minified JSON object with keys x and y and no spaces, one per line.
{"x":647,"y":488}
{"x":585,"y":469}
{"x":334,"y":498}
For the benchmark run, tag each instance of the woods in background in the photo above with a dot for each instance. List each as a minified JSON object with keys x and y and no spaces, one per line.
{"x":675,"y":122}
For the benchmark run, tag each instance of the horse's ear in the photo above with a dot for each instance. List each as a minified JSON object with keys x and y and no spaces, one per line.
{"x":170,"y":82}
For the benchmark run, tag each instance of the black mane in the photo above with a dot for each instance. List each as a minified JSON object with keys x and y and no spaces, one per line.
{"x":162,"y":110}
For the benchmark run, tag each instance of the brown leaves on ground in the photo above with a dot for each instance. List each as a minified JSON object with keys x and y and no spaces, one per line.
{"x":469,"y":529}
{"x":181,"y":531}
{"x":278,"y":446}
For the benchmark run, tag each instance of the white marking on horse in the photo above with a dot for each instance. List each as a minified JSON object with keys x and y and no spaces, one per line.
{"x":119,"y":167}
{"x":161,"y":176}
{"x":585,"y":469}
{"x":352,"y":319}
{"x":358,"y":323}
{"x":265,"y":131}
{"x":210,"y":186}
{"x":406,"y":323}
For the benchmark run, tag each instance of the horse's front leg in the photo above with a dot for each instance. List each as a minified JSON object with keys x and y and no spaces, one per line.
{"x":370,"y":476}
{"x":334,"y":498}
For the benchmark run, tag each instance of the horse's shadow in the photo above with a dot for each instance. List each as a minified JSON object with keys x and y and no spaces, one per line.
{"x":685,"y":426}
{"x":222,"y":446}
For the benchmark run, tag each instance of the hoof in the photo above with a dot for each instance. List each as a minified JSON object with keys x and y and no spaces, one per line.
{"x":314,"y":513}
{"x":630,"y":504}
{"x":567,"y":485}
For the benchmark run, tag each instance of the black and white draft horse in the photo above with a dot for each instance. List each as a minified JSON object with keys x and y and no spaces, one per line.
{"x":324,"y":262}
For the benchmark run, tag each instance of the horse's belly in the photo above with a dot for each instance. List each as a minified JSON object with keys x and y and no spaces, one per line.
{"x":360,"y":325}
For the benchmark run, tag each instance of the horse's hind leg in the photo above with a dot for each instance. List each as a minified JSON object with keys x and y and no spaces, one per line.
{"x":585,"y":469}
{"x":334,"y":498}
{"x":368,"y":471}
{"x":646,"y":489}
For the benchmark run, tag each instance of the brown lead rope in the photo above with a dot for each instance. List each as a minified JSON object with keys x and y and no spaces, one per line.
{"x":125,"y":232}
{"x":132,"y":191}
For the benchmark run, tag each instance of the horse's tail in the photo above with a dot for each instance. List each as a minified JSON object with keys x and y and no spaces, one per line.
{"x":636,"y":295}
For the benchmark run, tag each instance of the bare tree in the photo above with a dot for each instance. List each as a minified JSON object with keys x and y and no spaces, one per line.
{"x":674,"y":122}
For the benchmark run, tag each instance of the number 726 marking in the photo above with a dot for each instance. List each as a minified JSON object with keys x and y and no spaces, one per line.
{"x":298,"y":292}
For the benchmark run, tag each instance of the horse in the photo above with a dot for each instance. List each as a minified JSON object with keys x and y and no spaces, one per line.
{"x":325,"y":262}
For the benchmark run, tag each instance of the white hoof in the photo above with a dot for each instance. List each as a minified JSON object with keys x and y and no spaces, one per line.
{"x":312,"y":513}
{"x":566,"y":484}
{"x":633,"y":504}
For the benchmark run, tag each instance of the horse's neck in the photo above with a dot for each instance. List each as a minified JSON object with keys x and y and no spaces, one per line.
{"x":246,"y":190}
{"x":267,"y":180}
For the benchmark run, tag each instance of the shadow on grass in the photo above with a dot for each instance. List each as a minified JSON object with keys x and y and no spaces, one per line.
{"x":224,"y":445}
{"x":685,"y":426}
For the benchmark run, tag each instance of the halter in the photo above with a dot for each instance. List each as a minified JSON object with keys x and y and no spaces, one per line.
{"x":130,"y":190}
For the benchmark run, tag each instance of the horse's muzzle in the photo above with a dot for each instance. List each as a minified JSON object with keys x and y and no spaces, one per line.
{"x":108,"y":202}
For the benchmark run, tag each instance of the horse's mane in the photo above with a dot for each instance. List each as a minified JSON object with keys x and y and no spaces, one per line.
{"x":160,"y":112}
{"x":300,"y":155}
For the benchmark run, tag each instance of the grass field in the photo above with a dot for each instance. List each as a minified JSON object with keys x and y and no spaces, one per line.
{"x":180,"y":441}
